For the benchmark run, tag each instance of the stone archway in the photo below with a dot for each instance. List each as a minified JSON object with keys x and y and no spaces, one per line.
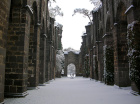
{"x":71,"y":70}
{"x":72,"y":57}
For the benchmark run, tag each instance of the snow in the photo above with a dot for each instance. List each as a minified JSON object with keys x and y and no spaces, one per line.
{"x":84,"y":34}
{"x":76,"y":91}
{"x":71,"y":70}
{"x":38,"y":24}
{"x":129,"y":9}
{"x":45,"y":35}
{"x":131,"y":25}
{"x":77,"y":52}
{"x":115,"y":24}
{"x":29,"y":7}
{"x":60,"y":58}
{"x":98,"y":41}
{"x":58,"y":25}
{"x":97,"y":4}
{"x":131,"y":52}
{"x":90,"y":23}
{"x":105,"y":35}
{"x":87,"y":55}
{"x":66,"y":51}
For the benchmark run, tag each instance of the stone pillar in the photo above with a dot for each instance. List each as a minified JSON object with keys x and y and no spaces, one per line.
{"x":133,"y":40}
{"x":91,"y":63}
{"x":121,"y":65}
{"x":100,"y":60}
{"x":4,"y":16}
{"x":33,"y":67}
{"x":47,"y":75}
{"x":108,"y":59}
{"x":16,"y":75}
{"x":42,"y":71}
{"x":66,"y":64}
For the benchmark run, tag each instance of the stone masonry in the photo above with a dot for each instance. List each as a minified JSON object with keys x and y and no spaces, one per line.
{"x":71,"y":58}
{"x":110,"y":49}
{"x":27,"y":46}
{"x":4,"y":15}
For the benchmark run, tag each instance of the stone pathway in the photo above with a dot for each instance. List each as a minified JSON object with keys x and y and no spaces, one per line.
{"x":76,"y":91}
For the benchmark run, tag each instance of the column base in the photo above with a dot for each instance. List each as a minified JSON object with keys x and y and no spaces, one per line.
{"x":2,"y":103}
{"x":47,"y":82}
{"x":135,"y":93}
{"x":44,"y":84}
{"x":15,"y":94}
{"x":32,"y":88}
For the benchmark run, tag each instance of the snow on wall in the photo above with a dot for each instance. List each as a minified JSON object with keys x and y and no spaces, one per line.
{"x":66,"y":51}
{"x":60,"y":60}
{"x":129,"y":9}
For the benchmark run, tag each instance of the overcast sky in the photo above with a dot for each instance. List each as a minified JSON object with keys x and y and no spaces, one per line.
{"x":73,"y":26}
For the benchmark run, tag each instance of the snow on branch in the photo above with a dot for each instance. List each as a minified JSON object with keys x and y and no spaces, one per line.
{"x":97,"y":4}
{"x":54,"y":9}
{"x":85,"y":12}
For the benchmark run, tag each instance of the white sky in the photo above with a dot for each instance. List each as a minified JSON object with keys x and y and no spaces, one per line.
{"x":73,"y":26}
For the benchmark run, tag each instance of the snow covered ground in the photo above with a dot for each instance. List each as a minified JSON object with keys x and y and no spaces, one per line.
{"x":76,"y":91}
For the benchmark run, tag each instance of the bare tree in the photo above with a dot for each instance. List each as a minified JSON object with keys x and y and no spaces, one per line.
{"x":97,"y":4}
{"x":85,"y":12}
{"x":54,"y":11}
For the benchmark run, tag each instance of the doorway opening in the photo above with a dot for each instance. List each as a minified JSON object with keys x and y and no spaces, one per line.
{"x":71,"y":70}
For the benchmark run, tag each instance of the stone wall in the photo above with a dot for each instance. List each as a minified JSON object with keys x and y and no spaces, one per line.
{"x":72,"y":58}
{"x":27,"y":46}
{"x":4,"y":16}
{"x":110,"y":32}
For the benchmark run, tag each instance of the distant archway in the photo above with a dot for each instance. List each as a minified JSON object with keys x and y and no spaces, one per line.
{"x":72,"y":57}
{"x":71,"y":70}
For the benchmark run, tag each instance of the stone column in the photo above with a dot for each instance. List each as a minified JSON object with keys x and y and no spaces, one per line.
{"x":42,"y":71}
{"x":33,"y":67}
{"x":121,"y":65}
{"x":4,"y":16}
{"x":16,"y":75}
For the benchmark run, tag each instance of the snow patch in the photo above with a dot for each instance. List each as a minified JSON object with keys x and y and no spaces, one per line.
{"x":115,"y":24}
{"x":60,"y":58}
{"x":131,"y":25}
{"x":29,"y":7}
{"x":129,"y":9}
